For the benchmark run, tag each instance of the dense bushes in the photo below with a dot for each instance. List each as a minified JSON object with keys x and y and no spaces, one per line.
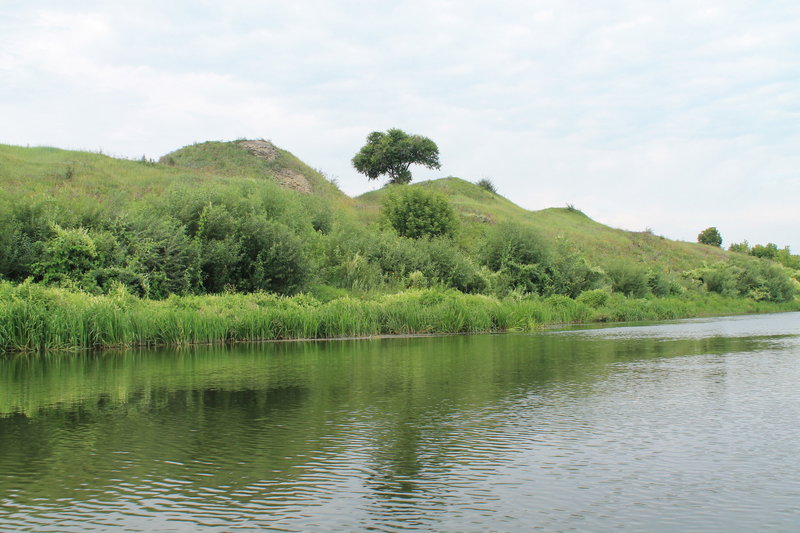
{"x":190,"y":240}
{"x":415,"y":212}
{"x":254,"y":236}
{"x":756,"y":279}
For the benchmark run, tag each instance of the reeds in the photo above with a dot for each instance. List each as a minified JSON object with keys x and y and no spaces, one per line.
{"x":35,"y":318}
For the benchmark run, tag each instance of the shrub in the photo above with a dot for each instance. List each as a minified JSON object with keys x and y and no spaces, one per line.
{"x":67,"y":255}
{"x":742,"y":247}
{"x":571,"y":274}
{"x":273,"y":258}
{"x":161,"y":250}
{"x":628,"y":278}
{"x":593,"y":298}
{"x":415,"y":213}
{"x":512,"y":243}
{"x":768,"y":251}
{"x":710,"y":236}
{"x":759,"y":280}
{"x":520,"y":256}
{"x":487,"y":185}
{"x":447,"y":264}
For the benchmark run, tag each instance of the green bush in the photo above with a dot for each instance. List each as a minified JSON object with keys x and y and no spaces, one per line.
{"x":594,"y":298}
{"x":273,"y":258}
{"x":68,"y":255}
{"x":415,"y":213}
{"x":710,"y":236}
{"x":521,"y":258}
{"x":630,"y":279}
{"x":487,"y":185}
{"x":167,"y":257}
{"x":570,"y":273}
{"x":448,"y":265}
{"x":760,"y":280}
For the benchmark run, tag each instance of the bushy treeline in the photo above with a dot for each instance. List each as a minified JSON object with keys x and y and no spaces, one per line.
{"x":254,"y":236}
{"x":242,"y":237}
{"x":770,"y":251}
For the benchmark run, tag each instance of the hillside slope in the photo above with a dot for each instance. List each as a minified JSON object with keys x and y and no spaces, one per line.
{"x":600,"y":243}
{"x":67,"y":173}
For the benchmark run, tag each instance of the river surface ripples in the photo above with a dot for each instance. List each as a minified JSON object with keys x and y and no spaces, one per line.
{"x":692,"y":426}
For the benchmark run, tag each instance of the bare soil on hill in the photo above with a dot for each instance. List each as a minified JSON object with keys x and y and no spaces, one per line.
{"x":285,"y":177}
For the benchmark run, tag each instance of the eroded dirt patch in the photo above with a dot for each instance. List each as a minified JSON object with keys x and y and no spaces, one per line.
{"x":285,"y":177}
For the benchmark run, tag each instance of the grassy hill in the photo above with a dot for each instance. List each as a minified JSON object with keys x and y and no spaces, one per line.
{"x":600,"y":243}
{"x":76,"y":174}
{"x":214,"y":194}
{"x":90,"y":177}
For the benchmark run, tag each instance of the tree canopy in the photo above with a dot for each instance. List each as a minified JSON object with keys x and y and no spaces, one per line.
{"x":392,"y":152}
{"x":710,"y":236}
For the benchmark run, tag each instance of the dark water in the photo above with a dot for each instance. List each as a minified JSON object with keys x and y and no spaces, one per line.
{"x":690,"y":426}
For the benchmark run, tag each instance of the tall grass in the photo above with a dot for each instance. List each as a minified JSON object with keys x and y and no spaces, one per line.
{"x":35,"y":318}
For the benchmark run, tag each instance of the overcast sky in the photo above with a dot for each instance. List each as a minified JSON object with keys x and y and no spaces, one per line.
{"x":668,"y":115}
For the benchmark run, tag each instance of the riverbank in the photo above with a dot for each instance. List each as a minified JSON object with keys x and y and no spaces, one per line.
{"x":37,"y":318}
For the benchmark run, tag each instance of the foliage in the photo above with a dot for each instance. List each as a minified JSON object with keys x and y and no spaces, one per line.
{"x":594,"y":298}
{"x":35,"y":317}
{"x":710,"y":236}
{"x":487,"y":185}
{"x":742,"y":247}
{"x":768,"y":251}
{"x":392,"y":153}
{"x":177,"y":241}
{"x":756,"y":279}
{"x":69,"y":253}
{"x":628,"y":278}
{"x":571,"y":274}
{"x":520,"y":255}
{"x":274,"y":259}
{"x":415,"y":213}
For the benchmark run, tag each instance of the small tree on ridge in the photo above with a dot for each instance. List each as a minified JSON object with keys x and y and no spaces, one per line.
{"x":391,"y":153}
{"x":710,"y":236}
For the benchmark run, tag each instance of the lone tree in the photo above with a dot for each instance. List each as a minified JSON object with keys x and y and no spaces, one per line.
{"x":710,"y":236}
{"x":391,"y":153}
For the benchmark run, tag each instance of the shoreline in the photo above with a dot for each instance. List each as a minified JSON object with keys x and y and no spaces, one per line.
{"x":37,"y":319}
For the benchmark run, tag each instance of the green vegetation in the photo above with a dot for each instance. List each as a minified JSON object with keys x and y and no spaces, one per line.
{"x":35,"y":317}
{"x":487,"y":185}
{"x":418,"y":213}
{"x":710,"y":236}
{"x":234,"y":241}
{"x":391,"y":153}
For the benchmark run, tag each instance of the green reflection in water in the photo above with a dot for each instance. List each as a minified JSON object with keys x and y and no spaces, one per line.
{"x":259,"y":423}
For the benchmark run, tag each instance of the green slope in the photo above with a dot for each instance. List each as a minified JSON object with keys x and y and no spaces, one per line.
{"x":74,"y":174}
{"x":601,"y":244}
{"x":87,"y":178}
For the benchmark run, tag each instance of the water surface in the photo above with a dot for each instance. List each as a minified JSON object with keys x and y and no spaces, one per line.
{"x":692,"y":425}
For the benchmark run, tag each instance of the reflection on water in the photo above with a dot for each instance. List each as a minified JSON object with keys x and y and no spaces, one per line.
{"x":689,"y":425}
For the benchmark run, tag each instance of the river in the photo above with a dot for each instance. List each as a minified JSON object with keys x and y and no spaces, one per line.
{"x":689,"y":425}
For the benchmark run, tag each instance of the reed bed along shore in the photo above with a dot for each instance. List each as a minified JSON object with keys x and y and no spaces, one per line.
{"x":38,"y":318}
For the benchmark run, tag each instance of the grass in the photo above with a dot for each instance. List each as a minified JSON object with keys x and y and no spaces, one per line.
{"x":600,"y":244}
{"x":37,"y":318}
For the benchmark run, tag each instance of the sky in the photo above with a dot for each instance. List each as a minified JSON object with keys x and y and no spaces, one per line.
{"x":668,"y":116}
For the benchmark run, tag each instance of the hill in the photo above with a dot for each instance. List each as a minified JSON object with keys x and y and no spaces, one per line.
{"x":246,"y":215}
{"x":58,"y":173}
{"x":600,"y":243}
{"x":231,"y":241}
